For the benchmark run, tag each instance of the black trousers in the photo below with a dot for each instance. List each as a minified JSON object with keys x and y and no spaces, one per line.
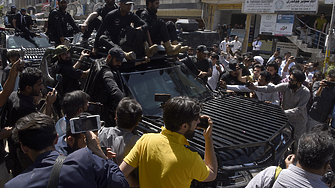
{"x":161,"y":31}
{"x":129,"y":40}
{"x":95,"y":24}
{"x":255,"y":52}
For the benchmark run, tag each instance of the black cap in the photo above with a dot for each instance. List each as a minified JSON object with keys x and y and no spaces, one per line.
{"x":23,"y":10}
{"x":215,"y":55}
{"x":202,"y":48}
{"x":127,"y":1}
{"x":215,"y":45}
{"x":232,"y":65}
{"x":117,"y":53}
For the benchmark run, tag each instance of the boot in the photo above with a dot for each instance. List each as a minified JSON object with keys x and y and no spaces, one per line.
{"x":171,"y":49}
{"x":182,"y":50}
{"x":175,"y":42}
{"x":150,"y":51}
{"x":130,"y":55}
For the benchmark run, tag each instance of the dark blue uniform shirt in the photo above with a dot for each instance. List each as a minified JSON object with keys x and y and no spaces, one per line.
{"x":80,"y":169}
{"x":62,"y":146}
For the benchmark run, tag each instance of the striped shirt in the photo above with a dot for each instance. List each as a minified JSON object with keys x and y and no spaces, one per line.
{"x":297,"y":177}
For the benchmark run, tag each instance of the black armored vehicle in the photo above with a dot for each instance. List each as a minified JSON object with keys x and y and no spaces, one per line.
{"x":247,"y":134}
{"x":34,"y":47}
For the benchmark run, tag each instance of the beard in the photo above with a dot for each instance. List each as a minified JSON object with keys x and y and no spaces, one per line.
{"x":62,"y":61}
{"x":292,"y":86}
{"x":63,"y":7}
{"x":189,"y":134}
{"x":114,"y":67}
{"x":110,"y":3}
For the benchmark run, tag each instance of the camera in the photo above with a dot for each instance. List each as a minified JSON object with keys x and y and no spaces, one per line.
{"x":95,"y":108}
{"x":329,"y":177}
{"x":203,"y":122}
{"x":330,"y":84}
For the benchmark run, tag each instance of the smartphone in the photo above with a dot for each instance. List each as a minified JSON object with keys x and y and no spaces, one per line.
{"x":104,"y":149}
{"x":162,"y":97}
{"x":95,"y":108}
{"x":203,"y":122}
{"x":84,"y":124}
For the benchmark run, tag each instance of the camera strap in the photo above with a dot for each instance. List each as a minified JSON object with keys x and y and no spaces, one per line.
{"x":54,"y":176}
{"x":275,"y":176}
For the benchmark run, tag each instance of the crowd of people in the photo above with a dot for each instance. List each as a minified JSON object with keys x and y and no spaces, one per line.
{"x":43,"y":153}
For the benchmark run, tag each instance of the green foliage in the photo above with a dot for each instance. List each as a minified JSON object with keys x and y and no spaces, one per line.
{"x":1,"y":7}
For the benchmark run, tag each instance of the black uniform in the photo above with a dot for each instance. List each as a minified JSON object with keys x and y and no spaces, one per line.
{"x":106,"y":90}
{"x":10,"y":16}
{"x":159,"y":30}
{"x":194,"y":64}
{"x":111,"y":27}
{"x":22,"y":24}
{"x":231,"y":80}
{"x":95,"y":24}
{"x":70,"y":76}
{"x":60,"y":24}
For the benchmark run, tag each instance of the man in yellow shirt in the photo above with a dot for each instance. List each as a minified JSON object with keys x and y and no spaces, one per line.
{"x":319,"y":26}
{"x":162,"y":158}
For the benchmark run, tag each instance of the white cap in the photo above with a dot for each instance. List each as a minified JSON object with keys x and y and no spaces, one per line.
{"x":259,"y":59}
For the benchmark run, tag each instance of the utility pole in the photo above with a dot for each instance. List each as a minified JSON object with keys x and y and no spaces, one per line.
{"x":329,"y":40}
{"x":246,"y":36}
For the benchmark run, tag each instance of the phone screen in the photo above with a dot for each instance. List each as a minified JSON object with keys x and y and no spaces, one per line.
{"x":90,"y":123}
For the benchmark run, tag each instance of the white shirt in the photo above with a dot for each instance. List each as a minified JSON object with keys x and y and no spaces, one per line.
{"x":309,"y":76}
{"x":256,"y":45}
{"x":272,"y":97}
{"x":237,"y":45}
{"x":213,"y":80}
{"x":283,"y":63}
{"x":223,"y":46}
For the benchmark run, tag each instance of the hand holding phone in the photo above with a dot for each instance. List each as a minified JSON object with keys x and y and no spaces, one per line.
{"x":84,"y":124}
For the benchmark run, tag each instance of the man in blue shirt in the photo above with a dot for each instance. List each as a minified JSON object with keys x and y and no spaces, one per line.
{"x":37,"y":136}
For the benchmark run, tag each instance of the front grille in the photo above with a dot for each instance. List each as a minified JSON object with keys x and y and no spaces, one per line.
{"x":244,"y":130}
{"x":34,"y":53}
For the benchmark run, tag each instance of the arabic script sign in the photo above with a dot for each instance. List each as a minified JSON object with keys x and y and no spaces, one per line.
{"x":280,"y":6}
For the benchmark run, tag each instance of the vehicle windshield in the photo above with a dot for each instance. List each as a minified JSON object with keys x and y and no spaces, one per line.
{"x":36,"y":42}
{"x":176,"y":81}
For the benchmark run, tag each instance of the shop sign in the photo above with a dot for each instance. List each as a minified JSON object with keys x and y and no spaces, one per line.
{"x":280,"y":6}
{"x":284,"y":24}
{"x":268,"y":26}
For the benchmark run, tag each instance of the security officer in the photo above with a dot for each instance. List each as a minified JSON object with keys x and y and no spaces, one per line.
{"x":161,"y":31}
{"x":61,"y":24}
{"x":71,"y":72}
{"x":10,"y":16}
{"x":20,"y":23}
{"x":114,"y":23}
{"x":93,"y":22}
{"x":106,"y":86}
{"x":200,"y":65}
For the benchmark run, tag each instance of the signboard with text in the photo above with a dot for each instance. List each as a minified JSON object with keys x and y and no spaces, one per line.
{"x":267,"y":26}
{"x":284,"y":24}
{"x":280,"y":6}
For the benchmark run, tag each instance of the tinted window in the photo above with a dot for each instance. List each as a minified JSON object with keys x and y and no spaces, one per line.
{"x":36,"y":42}
{"x":175,"y":81}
